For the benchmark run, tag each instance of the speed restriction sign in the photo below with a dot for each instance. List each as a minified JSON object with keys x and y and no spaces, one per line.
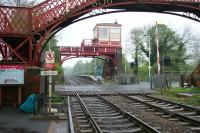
{"x":49,"y":57}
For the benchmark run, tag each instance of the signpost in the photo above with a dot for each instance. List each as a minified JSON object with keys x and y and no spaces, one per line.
{"x":49,"y":64}
{"x":49,"y":73}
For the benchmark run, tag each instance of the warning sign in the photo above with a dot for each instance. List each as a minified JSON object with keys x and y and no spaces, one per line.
{"x":49,"y":66}
{"x":49,"y":57}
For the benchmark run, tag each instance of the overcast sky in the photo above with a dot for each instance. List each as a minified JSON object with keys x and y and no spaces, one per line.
{"x":75,"y":33}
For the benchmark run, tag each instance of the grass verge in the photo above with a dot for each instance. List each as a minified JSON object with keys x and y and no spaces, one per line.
{"x":172,"y":94}
{"x":109,"y":82}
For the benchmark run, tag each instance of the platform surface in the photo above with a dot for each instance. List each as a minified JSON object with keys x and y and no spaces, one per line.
{"x":13,"y":120}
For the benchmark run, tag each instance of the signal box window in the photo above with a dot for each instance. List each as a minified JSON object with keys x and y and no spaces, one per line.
{"x":115,"y":33}
{"x":103,"y":32}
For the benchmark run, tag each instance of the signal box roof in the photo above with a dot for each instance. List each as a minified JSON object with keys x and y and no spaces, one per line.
{"x":108,"y":24}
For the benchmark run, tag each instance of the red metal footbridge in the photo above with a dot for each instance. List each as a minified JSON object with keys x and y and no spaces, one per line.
{"x":25,"y":31}
{"x":88,"y":48}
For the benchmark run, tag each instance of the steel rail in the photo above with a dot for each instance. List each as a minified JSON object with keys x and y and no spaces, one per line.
{"x":188,"y":107}
{"x":132,"y":118}
{"x":93,"y":123}
{"x":171,"y":102}
{"x":70,"y":119}
{"x":171,"y":113}
{"x":74,"y":81}
{"x":125,"y":113}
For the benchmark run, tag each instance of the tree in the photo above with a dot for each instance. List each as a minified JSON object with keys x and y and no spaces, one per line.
{"x":88,"y":67}
{"x":126,"y":65}
{"x":136,"y":37}
{"x":193,"y":49}
{"x":170,"y":44}
{"x":78,"y":68}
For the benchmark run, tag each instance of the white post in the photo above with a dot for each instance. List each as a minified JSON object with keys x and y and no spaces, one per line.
{"x":50,"y":82}
{"x":149,"y":57}
{"x":50,"y":89}
{"x":149,"y":49}
{"x":157,"y":45}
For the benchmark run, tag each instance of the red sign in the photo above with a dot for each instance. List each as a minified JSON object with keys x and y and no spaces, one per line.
{"x":11,"y":67}
{"x":50,"y":66}
{"x":49,"y":57}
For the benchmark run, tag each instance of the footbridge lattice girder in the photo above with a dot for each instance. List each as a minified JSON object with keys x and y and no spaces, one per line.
{"x":67,"y":53}
{"x":39,"y":22}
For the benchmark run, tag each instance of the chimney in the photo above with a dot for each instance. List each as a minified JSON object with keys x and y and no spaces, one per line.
{"x":116,"y":21}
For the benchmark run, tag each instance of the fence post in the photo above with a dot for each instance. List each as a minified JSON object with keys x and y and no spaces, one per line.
{"x":182,"y":80}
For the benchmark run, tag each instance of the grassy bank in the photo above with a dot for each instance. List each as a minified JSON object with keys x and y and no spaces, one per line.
{"x":173,"y":94}
{"x":109,"y":82}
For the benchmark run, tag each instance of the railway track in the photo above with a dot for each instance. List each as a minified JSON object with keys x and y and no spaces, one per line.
{"x":156,"y":118}
{"x":187,"y":115}
{"x":184,"y":116}
{"x":96,"y":114}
